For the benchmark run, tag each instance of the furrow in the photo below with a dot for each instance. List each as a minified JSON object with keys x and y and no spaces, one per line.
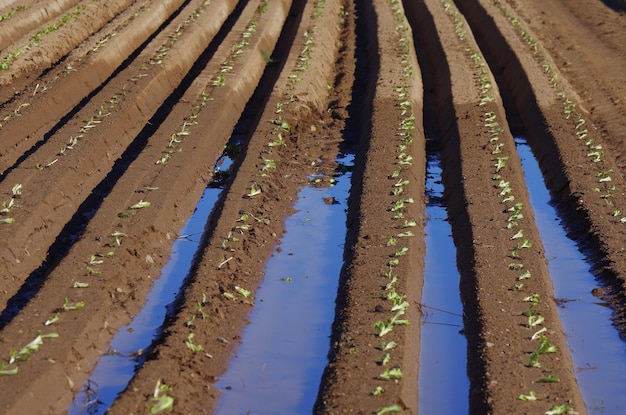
{"x":122,"y":110}
{"x":85,"y":339}
{"x":233,"y":253}
{"x":63,"y":93}
{"x":500,"y":254}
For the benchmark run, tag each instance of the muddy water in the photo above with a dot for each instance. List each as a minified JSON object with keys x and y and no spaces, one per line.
{"x":443,"y":381}
{"x":115,"y":370}
{"x":283,"y":351}
{"x":597,"y":350}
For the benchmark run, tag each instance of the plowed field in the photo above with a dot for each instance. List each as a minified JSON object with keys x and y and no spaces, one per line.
{"x":114,"y":113}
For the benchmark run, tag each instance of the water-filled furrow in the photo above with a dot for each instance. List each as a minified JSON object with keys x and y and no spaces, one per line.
{"x":595,"y":345}
{"x":129,"y":346}
{"x":443,"y":350}
{"x":283,"y":351}
{"x":75,"y":227}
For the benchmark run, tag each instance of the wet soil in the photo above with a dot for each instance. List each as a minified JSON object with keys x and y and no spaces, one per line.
{"x":126,"y":102}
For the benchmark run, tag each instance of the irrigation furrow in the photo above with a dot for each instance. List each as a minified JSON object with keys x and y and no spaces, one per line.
{"x":62,"y":95}
{"x":385,"y":222}
{"x":500,"y":254}
{"x":584,"y":178}
{"x":590,"y":54}
{"x":212,"y":307}
{"x":122,"y":110}
{"x":156,"y":231}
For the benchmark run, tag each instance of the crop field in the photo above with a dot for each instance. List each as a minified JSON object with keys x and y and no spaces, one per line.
{"x":116,"y":116}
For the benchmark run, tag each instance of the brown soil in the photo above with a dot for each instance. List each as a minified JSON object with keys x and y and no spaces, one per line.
{"x":128,"y":101}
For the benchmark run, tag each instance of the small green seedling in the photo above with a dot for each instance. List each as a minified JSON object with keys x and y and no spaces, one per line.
{"x":383,"y":328}
{"x":545,"y":346}
{"x":7,"y":220}
{"x":76,"y":306}
{"x":93,"y":260}
{"x":379,"y":390}
{"x":140,"y":205}
{"x":409,"y":223}
{"x":402,"y":251}
{"x":243,"y":292}
{"x":387,"y":346}
{"x":391,"y":374}
{"x":117,"y":236}
{"x":25,"y":352}
{"x":255,"y":189}
{"x":78,"y":284}
{"x":532,"y":396}
{"x":538,"y":334}
{"x":389,"y":409}
{"x":7,"y":206}
{"x":560,"y":409}
{"x":5,"y":372}
{"x":386,"y":359}
{"x":535,"y":320}
{"x":193,"y":347}
{"x":550,"y":379}
{"x":16,"y":190}
{"x":52,"y":320}
{"x":162,"y":401}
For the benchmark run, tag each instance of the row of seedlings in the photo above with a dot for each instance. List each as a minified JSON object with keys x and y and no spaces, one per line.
{"x":247,"y":220}
{"x":97,"y":259}
{"x":69,"y":69}
{"x":12,"y":12}
{"x":35,"y":40}
{"x":106,"y":109}
{"x":493,"y":128}
{"x":398,"y":242}
{"x":228,"y":65}
{"x":595,"y":153}
{"x":219,"y":81}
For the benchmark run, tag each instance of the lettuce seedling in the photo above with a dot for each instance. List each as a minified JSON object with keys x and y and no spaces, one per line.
{"x":530,"y":397}
{"x":193,"y":347}
{"x":383,"y":328}
{"x":163,"y":402}
{"x":140,"y":205}
{"x":378,"y":391}
{"x":391,"y":374}
{"x":4,"y":372}
{"x":25,"y":352}
{"x":389,"y":409}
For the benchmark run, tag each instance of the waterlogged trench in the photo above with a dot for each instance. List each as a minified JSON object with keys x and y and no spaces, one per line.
{"x":443,"y":380}
{"x":595,"y":345}
{"x":115,"y":369}
{"x":283,"y":352}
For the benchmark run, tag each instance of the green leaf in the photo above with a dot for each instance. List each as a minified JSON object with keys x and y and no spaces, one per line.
{"x":243,"y":292}
{"x":545,"y":346}
{"x":391,"y":374}
{"x":378,"y":391}
{"x":383,"y":328}
{"x":550,"y":379}
{"x":7,"y":372}
{"x":193,"y":347}
{"x":530,"y":397}
{"x":389,"y":409}
{"x":25,"y":352}
{"x":140,"y":205}
{"x":559,"y":409}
